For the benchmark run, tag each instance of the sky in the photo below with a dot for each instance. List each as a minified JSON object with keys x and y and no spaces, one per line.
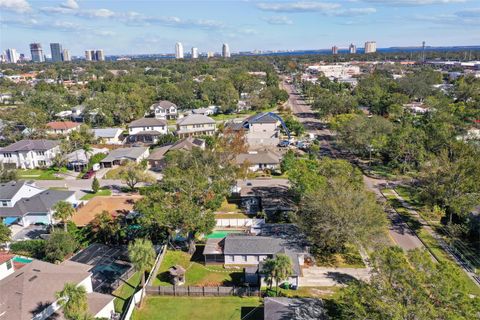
{"x":154,"y":26}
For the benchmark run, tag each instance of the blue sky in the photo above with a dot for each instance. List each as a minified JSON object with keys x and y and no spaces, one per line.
{"x":127,"y":27}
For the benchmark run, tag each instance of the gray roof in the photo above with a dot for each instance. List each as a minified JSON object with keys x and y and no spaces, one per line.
{"x":244,"y":244}
{"x":261,"y":118}
{"x":39,"y":203}
{"x":31,"y":145}
{"x":194,"y":119}
{"x":9,"y":189}
{"x":164,"y":104}
{"x":260,"y":157}
{"x":147,"y":122}
{"x":125,"y":153}
{"x":288,"y":308}
{"x":106,"y":132}
{"x":185,"y":144}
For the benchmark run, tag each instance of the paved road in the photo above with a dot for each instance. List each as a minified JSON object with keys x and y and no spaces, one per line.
{"x":399,"y":231}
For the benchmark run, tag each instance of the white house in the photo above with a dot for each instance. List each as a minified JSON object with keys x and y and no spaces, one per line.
{"x":261,"y":129}
{"x":30,"y":292}
{"x":146,"y":130}
{"x":108,"y":135}
{"x":29,"y":154}
{"x":117,"y":156}
{"x":11,"y":192}
{"x":6,"y":265}
{"x":164,"y":110}
{"x":195,"y":125}
{"x":62,"y":127}
{"x":259,"y":160}
{"x":208,"y":111}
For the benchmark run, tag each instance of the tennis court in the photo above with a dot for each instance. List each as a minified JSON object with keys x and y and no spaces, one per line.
{"x":110,"y":265}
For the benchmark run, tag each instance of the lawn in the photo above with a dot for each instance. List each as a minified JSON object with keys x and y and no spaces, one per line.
{"x":308,"y":292}
{"x":200,"y":308}
{"x":349,"y":259}
{"x":113,"y":173}
{"x":125,"y":291}
{"x":100,"y":193}
{"x":229,"y":207}
{"x":197,"y":274}
{"x":38,"y":174}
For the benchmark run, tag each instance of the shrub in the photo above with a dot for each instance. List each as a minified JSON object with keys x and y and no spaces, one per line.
{"x":29,"y":248}
{"x":59,"y":245}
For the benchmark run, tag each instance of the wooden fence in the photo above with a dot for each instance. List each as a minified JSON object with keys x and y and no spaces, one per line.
{"x":193,"y":291}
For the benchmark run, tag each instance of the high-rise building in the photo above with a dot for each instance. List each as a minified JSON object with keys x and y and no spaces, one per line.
{"x":210,"y":54}
{"x":194,"y":53}
{"x":99,"y":56}
{"x":178,"y":50}
{"x":352,"y":48}
{"x":56,"y":49}
{"x":334,"y":50}
{"x":370,"y":47}
{"x":225,"y":51}
{"x":37,"y":52}
{"x":88,"y":55}
{"x":11,"y":55}
{"x":66,"y":55}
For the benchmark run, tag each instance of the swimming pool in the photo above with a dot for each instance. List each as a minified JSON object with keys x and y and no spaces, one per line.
{"x":22,"y":259}
{"x":219,"y":234}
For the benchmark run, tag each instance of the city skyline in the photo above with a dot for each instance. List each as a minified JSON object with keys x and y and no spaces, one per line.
{"x":129,"y":27}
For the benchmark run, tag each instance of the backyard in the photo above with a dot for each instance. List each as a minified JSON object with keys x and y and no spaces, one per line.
{"x":196,"y":273}
{"x":166,"y":308}
{"x":125,"y":291}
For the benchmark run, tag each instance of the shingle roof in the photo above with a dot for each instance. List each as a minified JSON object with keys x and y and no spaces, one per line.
{"x":163,"y":104}
{"x":35,"y":285}
{"x":10,"y":189}
{"x":195,"y":119}
{"x":242,"y":244}
{"x":260,"y":157}
{"x":149,"y":122}
{"x":62,"y":125}
{"x":184,"y":144}
{"x":39,"y":203}
{"x":106,"y":132}
{"x":125,"y":153}
{"x":261,"y":118}
{"x":31,"y":145}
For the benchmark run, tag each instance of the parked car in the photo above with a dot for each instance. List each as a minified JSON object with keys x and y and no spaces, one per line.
{"x":89,"y":174}
{"x":284,"y":143}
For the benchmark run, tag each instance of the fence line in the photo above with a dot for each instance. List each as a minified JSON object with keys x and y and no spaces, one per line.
{"x":197,"y":291}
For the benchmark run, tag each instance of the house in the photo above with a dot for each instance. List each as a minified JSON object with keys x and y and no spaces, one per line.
{"x":29,"y":154}
{"x":30,"y":292}
{"x":165,"y":110}
{"x":11,"y":192}
{"x":209,"y":111}
{"x":108,"y":135}
{"x":262,"y":129}
{"x":62,"y":127}
{"x":294,"y":308}
{"x":416,"y":107}
{"x":146,"y":130}
{"x":260,"y":160}
{"x":251,"y":251}
{"x":6,"y":265}
{"x":75,"y":113}
{"x":78,"y":159}
{"x":195,"y":125}
{"x":156,"y":159}
{"x":117,"y":156}
{"x":37,"y":208}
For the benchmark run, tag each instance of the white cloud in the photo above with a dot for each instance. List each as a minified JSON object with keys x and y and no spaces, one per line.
{"x":104,"y":33}
{"x":278,"y":20}
{"x":70,"y":4}
{"x":96,"y":13}
{"x":354,"y":12}
{"x":297,"y":6}
{"x":413,"y":2}
{"x":20,"y":6}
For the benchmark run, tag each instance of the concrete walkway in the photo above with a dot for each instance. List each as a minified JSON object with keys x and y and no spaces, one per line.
{"x":328,"y":277}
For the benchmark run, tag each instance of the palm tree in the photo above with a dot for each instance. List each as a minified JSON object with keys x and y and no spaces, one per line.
{"x":142,"y":256}
{"x":278,"y":269}
{"x":73,"y":299}
{"x":63,"y":211}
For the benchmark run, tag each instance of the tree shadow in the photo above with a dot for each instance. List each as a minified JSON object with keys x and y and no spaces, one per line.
{"x":41,"y":306}
{"x":341,"y":278}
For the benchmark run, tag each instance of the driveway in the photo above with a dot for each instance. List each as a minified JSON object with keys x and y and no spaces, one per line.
{"x":327,"y":277}
{"x":28,"y":233}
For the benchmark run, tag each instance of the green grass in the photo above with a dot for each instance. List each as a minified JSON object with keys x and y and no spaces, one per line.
{"x":113,"y":173}
{"x":200,"y":308}
{"x":125,"y":291}
{"x":197,"y":274}
{"x":100,"y":193}
{"x":306,"y":292}
{"x":39,"y":174}
{"x":349,"y":259}
{"x":231,"y":216}
{"x":229,"y":207}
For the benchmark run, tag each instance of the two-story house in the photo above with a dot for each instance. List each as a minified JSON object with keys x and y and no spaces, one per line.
{"x":62,"y":127}
{"x":261,"y":129}
{"x":164,"y":110}
{"x":146,"y":130}
{"x":195,"y":125}
{"x":12,"y":191}
{"x":29,"y":154}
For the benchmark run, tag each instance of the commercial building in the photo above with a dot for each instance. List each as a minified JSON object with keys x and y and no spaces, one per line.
{"x":11,"y":55}
{"x":337,"y":71}
{"x":88,"y":55}
{"x":334,"y":50}
{"x":352,"y":48}
{"x":37,"y":52}
{"x":99,"y":55}
{"x":178,"y":50}
{"x":225,"y":51}
{"x":370,"y":47}
{"x":194,"y":53}
{"x":66,"y":55}
{"x":56,"y":50}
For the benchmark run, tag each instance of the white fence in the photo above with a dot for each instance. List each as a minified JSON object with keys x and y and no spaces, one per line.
{"x":238,"y":223}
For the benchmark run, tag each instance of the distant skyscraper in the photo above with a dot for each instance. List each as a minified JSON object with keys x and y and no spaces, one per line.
{"x":194,"y":53}
{"x":225,"y":51}
{"x":210,"y":54}
{"x":11,"y":56}
{"x":56,"y":49}
{"x":352,"y":48}
{"x":178,"y":50}
{"x":370,"y":47}
{"x":37,"y":52}
{"x":88,"y":55}
{"x":99,"y":56}
{"x":334,"y":50}
{"x":66,"y":55}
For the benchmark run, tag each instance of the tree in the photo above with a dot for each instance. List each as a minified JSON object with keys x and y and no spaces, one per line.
{"x":133,"y":173}
{"x":142,"y":255}
{"x":7,"y":175}
{"x":277,"y":269}
{"x":5,"y":232}
{"x":63,"y":210}
{"x":409,"y":287}
{"x":59,"y":245}
{"x":104,"y":227}
{"x":95,"y":185}
{"x":73,"y":299}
